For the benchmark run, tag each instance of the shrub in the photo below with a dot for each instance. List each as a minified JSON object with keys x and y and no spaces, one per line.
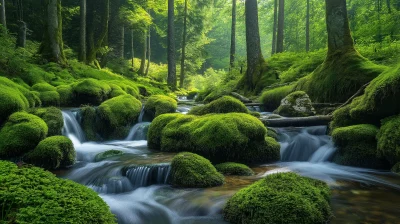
{"x":32,"y":195}
{"x":53,"y":118}
{"x":191,"y":170}
{"x":280,"y":198}
{"x":234,"y":169}
{"x":159,"y":104}
{"x":225,"y":104}
{"x":389,"y":139}
{"x":90,"y":91}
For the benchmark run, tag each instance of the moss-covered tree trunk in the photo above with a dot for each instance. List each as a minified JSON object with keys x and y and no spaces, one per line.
{"x":171,"y":79}
{"x":275,"y":26}
{"x":97,"y":28}
{"x":21,"y":37}
{"x":281,"y":26}
{"x":3,"y":14}
{"x":143,"y":61}
{"x":255,"y":59}
{"x":132,"y":49}
{"x":51,"y":47}
{"x":148,"y":52}
{"x":233,"y":36}
{"x":184,"y":34}
{"x":82,"y":36}
{"x":308,"y":27}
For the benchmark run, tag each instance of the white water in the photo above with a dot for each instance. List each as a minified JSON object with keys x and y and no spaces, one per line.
{"x":138,"y":131}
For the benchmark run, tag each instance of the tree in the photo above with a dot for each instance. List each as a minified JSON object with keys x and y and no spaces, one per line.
{"x":274,"y":27}
{"x":143,"y":61}
{"x":148,"y":51}
{"x":116,"y":31}
{"x":184,"y":33}
{"x":82,"y":36}
{"x":233,"y":35}
{"x":3,"y":14}
{"x":51,"y":47}
{"x":308,"y":27}
{"x":171,"y":79}
{"x":132,"y":49}
{"x":21,"y":37}
{"x":281,"y":26}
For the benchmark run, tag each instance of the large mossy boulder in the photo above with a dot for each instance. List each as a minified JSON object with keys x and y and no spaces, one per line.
{"x":88,"y":122}
{"x":234,"y":169}
{"x":90,"y":91}
{"x":66,"y":95}
{"x":160,"y":104}
{"x":11,"y":99}
{"x":47,"y":94}
{"x":20,"y":134}
{"x":32,"y":195}
{"x":280,"y":198}
{"x":53,"y":118}
{"x":296,"y":104}
{"x":357,"y":146}
{"x":389,"y":139}
{"x":194,"y":171}
{"x":52,"y":153}
{"x":225,"y":104}
{"x":116,"y":116}
{"x":271,"y":98}
{"x":232,"y":137}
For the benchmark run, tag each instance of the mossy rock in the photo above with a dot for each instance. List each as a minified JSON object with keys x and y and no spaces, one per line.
{"x":160,"y":104}
{"x":20,"y":134}
{"x":389,"y":139}
{"x":272,"y":98}
{"x":232,"y":137}
{"x":34,"y":99}
{"x":296,"y":104}
{"x":88,"y":122}
{"x":341,"y":118}
{"x":225,"y":104}
{"x":66,"y":95}
{"x":90,"y":91}
{"x":273,"y":134}
{"x":43,"y":87}
{"x":32,"y":195}
{"x":234,"y":169}
{"x":53,"y":153}
{"x":357,"y":146}
{"x":116,"y":116}
{"x":50,"y":98}
{"x":53,"y":118}
{"x":280,"y":198}
{"x":194,"y":171}
{"x":107,"y":154}
{"x":11,"y":99}
{"x":192,"y":94}
{"x":396,"y":168}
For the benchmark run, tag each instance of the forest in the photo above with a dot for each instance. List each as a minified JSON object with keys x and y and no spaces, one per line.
{"x":199,"y":111}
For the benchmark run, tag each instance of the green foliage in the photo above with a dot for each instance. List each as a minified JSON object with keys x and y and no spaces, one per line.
{"x":296,"y":104}
{"x":159,"y":104}
{"x":53,"y":118}
{"x":90,"y":91}
{"x":88,"y":122}
{"x":116,"y":116}
{"x":107,"y":154}
{"x":234,"y":169}
{"x":32,"y":195}
{"x":225,"y":104}
{"x":20,"y":134}
{"x":389,"y":139}
{"x":272,"y":98}
{"x":191,"y":170}
{"x":155,"y":130}
{"x":52,"y":153}
{"x":280,"y":198}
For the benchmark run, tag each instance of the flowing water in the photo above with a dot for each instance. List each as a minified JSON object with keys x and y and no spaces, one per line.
{"x":135,"y":187}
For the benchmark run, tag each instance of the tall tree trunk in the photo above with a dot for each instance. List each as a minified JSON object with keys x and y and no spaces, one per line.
{"x":337,"y":24}
{"x":171,"y":79}
{"x":51,"y":47}
{"x":275,"y":26}
{"x":3,"y":14}
{"x":116,"y":30}
{"x":97,"y":28}
{"x":281,"y":26}
{"x":255,"y":60}
{"x":143,"y":61}
{"x":389,"y":6}
{"x":82,"y":37}
{"x":132,"y":50}
{"x":308,"y":27}
{"x":233,"y":36}
{"x":148,"y":52}
{"x":183,"y":58}
{"x":21,"y":37}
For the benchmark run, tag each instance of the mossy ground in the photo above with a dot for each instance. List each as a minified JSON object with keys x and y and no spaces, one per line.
{"x":159,"y":104}
{"x":280,"y":198}
{"x":225,"y":104}
{"x":234,"y":169}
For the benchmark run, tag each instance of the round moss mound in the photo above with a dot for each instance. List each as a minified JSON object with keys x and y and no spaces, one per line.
{"x":296,"y":104}
{"x":272,"y":98}
{"x":107,"y":154}
{"x":341,"y":118}
{"x":50,"y":98}
{"x":32,"y":195}
{"x":52,"y":153}
{"x":88,"y":122}
{"x":280,"y":198}
{"x":20,"y":134}
{"x":66,"y":95}
{"x":117,"y":115}
{"x":225,"y":104}
{"x":357,"y":146}
{"x":53,"y":118}
{"x":43,"y":87}
{"x":194,"y":171}
{"x":160,"y":104}
{"x":90,"y":91}
{"x":389,"y":139}
{"x":229,"y":137}
{"x":11,"y":100}
{"x":396,"y":168}
{"x":234,"y":169}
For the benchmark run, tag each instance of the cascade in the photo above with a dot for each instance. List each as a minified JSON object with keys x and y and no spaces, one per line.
{"x":72,"y":128}
{"x":138,"y":132}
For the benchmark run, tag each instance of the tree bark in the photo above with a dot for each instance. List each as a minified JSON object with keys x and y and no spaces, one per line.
{"x":143,"y":61}
{"x":82,"y":42}
{"x":298,"y":121}
{"x":148,"y":52}
{"x":183,"y":58}
{"x":132,"y":50}
{"x":308,"y":27}
{"x":21,"y":38}
{"x":281,"y":26}
{"x":389,"y":6}
{"x":3,"y":14}
{"x":52,"y":45}
{"x":116,"y":30}
{"x":171,"y":79}
{"x":233,"y":36}
{"x":275,"y":26}
{"x":255,"y":60}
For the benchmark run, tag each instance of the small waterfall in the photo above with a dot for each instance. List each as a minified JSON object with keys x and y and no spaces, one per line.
{"x":182,"y":98}
{"x":138,"y":132}
{"x":71,"y":128}
{"x":183,"y":109}
{"x":142,"y":176}
{"x":141,"y":115}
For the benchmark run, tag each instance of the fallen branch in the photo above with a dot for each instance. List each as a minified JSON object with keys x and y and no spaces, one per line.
{"x":358,"y":93}
{"x":297,"y":121}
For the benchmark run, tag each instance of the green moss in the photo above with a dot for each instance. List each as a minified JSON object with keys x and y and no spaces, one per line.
{"x":342,"y":118}
{"x":272,"y":133}
{"x":339,"y":77}
{"x":192,"y":94}
{"x":11,"y":100}
{"x":117,"y":115}
{"x":34,"y":99}
{"x":225,"y":104}
{"x":356,"y":133}
{"x":280,"y":198}
{"x":272,"y":98}
{"x":53,"y":118}
{"x":50,"y":98}
{"x":90,"y":91}
{"x":396,"y":168}
{"x":229,"y":137}
{"x":116,"y":91}
{"x":296,"y":104}
{"x":52,"y":153}
{"x":43,"y":87}
{"x":107,"y":154}
{"x":234,"y":169}
{"x":159,"y":104}
{"x":20,"y":134}
{"x":191,"y":170}
{"x":389,"y":139}
{"x":32,"y":195}
{"x":66,"y":95}
{"x":88,"y":122}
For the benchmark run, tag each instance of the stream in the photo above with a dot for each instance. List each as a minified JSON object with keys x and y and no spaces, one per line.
{"x":135,"y":187}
